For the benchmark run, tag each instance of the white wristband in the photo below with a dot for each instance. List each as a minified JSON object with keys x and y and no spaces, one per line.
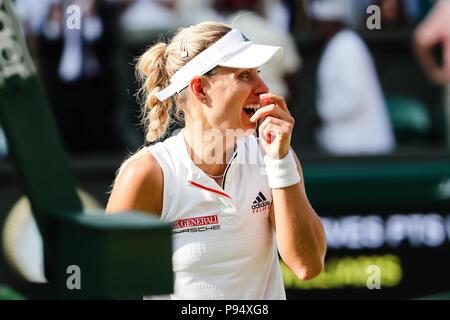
{"x":282,"y":173}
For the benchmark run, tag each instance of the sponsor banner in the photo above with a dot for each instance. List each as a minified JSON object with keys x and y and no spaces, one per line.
{"x":379,"y":256}
{"x":373,"y":231}
{"x":196,"y":222}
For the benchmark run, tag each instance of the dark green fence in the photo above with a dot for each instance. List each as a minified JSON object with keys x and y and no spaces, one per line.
{"x":124,"y":255}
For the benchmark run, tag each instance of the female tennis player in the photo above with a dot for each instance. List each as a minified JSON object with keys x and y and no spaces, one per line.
{"x":233,"y":199}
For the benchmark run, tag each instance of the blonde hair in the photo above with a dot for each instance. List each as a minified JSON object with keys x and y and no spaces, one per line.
{"x":154,"y":69}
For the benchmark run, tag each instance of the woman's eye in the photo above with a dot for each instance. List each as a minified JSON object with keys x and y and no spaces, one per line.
{"x":248,"y":74}
{"x":245,"y":74}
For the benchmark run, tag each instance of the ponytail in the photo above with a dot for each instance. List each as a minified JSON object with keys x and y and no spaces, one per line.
{"x":151,"y":73}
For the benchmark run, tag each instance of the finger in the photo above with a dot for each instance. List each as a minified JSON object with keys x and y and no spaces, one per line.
{"x":269,"y":131}
{"x":262,"y":131}
{"x":264,"y":112}
{"x":276,"y":121}
{"x":273,"y":132}
{"x":270,"y":110}
{"x":286,"y":126}
{"x":270,"y":98}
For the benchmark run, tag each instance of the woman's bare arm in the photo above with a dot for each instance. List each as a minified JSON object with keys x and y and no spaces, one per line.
{"x":139,"y":187}
{"x":300,"y":234}
{"x":301,"y":237}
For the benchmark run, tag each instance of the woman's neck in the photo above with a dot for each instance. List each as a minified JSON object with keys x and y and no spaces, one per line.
{"x":209,"y":148}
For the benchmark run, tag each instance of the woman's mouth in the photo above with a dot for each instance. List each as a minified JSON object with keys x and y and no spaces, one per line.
{"x":250,"y":109}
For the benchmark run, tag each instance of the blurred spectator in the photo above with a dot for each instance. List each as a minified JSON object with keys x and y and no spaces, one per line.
{"x":77,"y":71}
{"x":149,"y":14}
{"x":403,"y":12}
{"x":76,"y":65}
{"x":227,"y":6}
{"x":393,"y":14}
{"x":195,"y":11}
{"x":278,"y":77}
{"x":279,"y":13}
{"x":432,"y":32}
{"x":352,"y":9}
{"x":31,"y":15}
{"x":349,"y":101}
{"x":412,"y":9}
{"x":299,"y":16}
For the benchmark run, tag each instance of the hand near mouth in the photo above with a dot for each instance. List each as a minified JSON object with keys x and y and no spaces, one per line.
{"x":276,"y":127}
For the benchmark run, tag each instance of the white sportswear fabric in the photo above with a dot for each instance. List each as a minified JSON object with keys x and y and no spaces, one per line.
{"x":237,"y":261}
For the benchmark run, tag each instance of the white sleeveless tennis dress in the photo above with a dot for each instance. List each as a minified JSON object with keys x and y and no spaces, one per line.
{"x":224,"y":246}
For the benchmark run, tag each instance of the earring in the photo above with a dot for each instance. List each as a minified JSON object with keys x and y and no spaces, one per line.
{"x":204,"y":101}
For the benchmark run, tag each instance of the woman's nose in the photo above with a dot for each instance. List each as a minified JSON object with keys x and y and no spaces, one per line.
{"x":260,"y":87}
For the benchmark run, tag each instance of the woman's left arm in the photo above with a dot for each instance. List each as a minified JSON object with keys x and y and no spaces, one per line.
{"x":300,"y":234}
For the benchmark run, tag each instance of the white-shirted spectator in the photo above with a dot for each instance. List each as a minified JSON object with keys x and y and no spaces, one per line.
{"x":350,"y":101}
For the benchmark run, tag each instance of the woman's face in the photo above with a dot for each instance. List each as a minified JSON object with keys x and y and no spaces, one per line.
{"x":233,"y":97}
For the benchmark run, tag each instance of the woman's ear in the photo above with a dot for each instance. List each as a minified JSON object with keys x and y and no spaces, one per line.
{"x":196,"y":86}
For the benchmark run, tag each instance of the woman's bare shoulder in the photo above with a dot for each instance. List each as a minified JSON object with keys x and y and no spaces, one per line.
{"x":143,"y":166}
{"x":139,"y":186}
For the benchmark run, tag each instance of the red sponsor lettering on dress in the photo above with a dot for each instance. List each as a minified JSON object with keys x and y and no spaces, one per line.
{"x":194,"y":222}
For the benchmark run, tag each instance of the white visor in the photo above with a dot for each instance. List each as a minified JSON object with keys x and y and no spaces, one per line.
{"x":232,"y":50}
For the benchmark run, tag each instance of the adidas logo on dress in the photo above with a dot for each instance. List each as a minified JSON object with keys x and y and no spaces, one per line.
{"x":261,"y":203}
